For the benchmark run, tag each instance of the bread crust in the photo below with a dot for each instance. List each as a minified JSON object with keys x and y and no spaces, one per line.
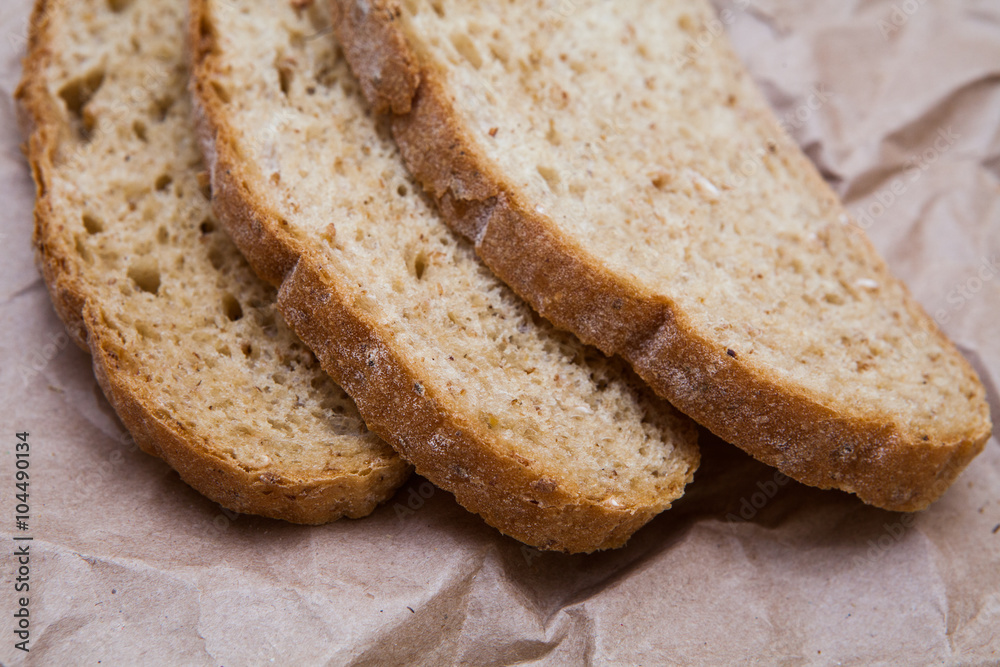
{"x":292,"y":498}
{"x":782,"y":424}
{"x":396,"y":402}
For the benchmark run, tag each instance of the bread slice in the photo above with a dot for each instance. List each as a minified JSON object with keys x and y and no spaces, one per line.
{"x":547,"y":439}
{"x":616,"y":166}
{"x":186,"y":342}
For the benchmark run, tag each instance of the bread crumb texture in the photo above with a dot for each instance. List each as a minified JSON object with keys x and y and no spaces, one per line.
{"x":573,"y":419}
{"x":635,"y":138}
{"x":684,"y":188}
{"x":125,"y":227}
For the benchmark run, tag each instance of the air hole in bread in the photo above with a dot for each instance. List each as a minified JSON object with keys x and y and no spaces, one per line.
{"x":163,"y":106}
{"x":319,"y":17}
{"x":147,"y":331}
{"x":205,"y":28}
{"x":285,"y":74}
{"x":661,"y":180}
{"x":279,"y":425}
{"x":467,"y":49}
{"x":119,"y":5}
{"x":76,"y":94}
{"x":162,"y":235}
{"x":402,"y":191}
{"x":92,"y":224}
{"x":420,"y":265}
{"x":205,"y":185}
{"x":139,"y":129}
{"x":552,"y":136}
{"x":206,"y":226}
{"x":221,"y":92}
{"x":247,"y":349}
{"x":163,"y":182}
{"x":551,"y":177}
{"x":501,"y":51}
{"x":269,"y":325}
{"x":231,"y":307}
{"x":83,"y":251}
{"x":216,"y":258}
{"x":146,"y":275}
{"x":326,"y":75}
{"x":438,"y":7}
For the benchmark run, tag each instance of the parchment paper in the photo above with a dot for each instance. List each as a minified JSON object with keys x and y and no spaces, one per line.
{"x":899,"y":104}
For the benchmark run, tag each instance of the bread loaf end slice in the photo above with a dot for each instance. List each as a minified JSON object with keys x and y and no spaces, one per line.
{"x":187,"y":343}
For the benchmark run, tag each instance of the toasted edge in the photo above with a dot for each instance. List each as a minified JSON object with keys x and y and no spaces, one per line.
{"x":881,"y":463}
{"x":307,"y":501}
{"x":451,"y":452}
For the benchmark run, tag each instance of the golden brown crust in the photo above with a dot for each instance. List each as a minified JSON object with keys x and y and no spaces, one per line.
{"x":309,"y":501}
{"x":397,"y":403}
{"x":780,"y":424}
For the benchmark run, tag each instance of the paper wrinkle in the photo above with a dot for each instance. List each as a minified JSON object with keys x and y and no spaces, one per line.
{"x":410,"y":637}
{"x":24,"y":290}
{"x":931,"y":119}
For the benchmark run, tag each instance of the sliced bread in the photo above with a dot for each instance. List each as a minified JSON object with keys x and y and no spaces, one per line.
{"x":548,"y":440}
{"x":187,"y":343}
{"x":615,"y":165}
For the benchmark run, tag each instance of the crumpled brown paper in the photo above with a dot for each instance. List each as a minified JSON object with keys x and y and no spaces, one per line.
{"x":898,"y":102}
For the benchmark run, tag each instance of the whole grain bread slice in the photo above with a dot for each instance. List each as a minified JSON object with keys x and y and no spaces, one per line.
{"x":548,"y":440}
{"x":615,"y":165}
{"x":186,"y":341}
